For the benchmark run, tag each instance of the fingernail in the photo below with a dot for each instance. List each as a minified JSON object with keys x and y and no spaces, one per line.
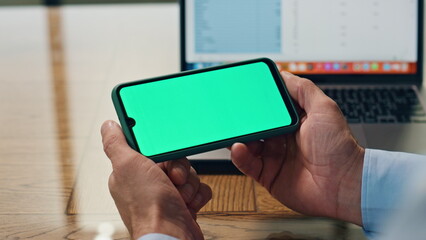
{"x":111,"y":124}
{"x":106,"y":126}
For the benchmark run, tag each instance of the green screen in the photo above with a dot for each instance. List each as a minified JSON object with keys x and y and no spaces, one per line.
{"x":206,"y":107}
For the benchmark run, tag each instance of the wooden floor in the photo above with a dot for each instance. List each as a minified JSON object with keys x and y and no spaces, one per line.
{"x":57,"y":69}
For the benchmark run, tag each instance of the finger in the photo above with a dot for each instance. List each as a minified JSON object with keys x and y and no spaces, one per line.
{"x":273,"y":147}
{"x":246,"y":161}
{"x":303,"y":91}
{"x":193,"y":214}
{"x":178,"y":171}
{"x":273,"y":159}
{"x":256,"y":147}
{"x":190,"y":188}
{"x":114,"y":142}
{"x":203,"y":196}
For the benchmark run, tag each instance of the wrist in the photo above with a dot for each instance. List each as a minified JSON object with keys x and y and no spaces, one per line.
{"x":349,"y":193}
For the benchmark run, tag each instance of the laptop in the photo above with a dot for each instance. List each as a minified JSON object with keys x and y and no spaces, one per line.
{"x":366,"y":55}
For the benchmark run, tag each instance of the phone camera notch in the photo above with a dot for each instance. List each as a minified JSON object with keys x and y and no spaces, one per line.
{"x":130,"y":122}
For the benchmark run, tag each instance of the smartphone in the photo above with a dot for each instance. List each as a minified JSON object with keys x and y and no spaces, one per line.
{"x":178,"y":115}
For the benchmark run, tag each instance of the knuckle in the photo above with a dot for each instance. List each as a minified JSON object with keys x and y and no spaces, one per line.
{"x":305,"y":86}
{"x":112,"y":184}
{"x":331,"y":104}
{"x":306,"y":83}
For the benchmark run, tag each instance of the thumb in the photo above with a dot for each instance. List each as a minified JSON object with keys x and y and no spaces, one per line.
{"x":115,"y":144}
{"x":303,"y":91}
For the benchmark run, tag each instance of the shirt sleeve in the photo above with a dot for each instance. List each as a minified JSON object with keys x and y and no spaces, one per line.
{"x":385,"y":180}
{"x":156,"y":236}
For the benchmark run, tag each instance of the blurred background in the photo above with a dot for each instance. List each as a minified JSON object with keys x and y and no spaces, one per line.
{"x":59,"y":2}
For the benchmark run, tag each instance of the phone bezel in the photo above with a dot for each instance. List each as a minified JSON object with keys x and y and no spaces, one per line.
{"x":176,"y":154}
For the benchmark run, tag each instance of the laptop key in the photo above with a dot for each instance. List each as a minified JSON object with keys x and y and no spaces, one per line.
{"x":379,"y":105}
{"x":387,"y":119}
{"x":353,"y":120}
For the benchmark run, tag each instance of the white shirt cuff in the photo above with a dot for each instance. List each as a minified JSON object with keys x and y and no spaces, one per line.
{"x":156,"y":236}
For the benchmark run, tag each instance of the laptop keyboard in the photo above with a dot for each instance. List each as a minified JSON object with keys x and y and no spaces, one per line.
{"x":379,"y":105}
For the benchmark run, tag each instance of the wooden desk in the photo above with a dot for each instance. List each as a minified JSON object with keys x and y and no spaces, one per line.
{"x":57,"y":68}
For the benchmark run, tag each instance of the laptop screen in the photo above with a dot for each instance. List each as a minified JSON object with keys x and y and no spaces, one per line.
{"x":304,"y":37}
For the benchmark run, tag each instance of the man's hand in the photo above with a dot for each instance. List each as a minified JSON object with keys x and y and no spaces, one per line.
{"x":316,"y":171}
{"x":153,"y":198}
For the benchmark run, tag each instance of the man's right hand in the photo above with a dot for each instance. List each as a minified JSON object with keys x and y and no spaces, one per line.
{"x":316,"y":171}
